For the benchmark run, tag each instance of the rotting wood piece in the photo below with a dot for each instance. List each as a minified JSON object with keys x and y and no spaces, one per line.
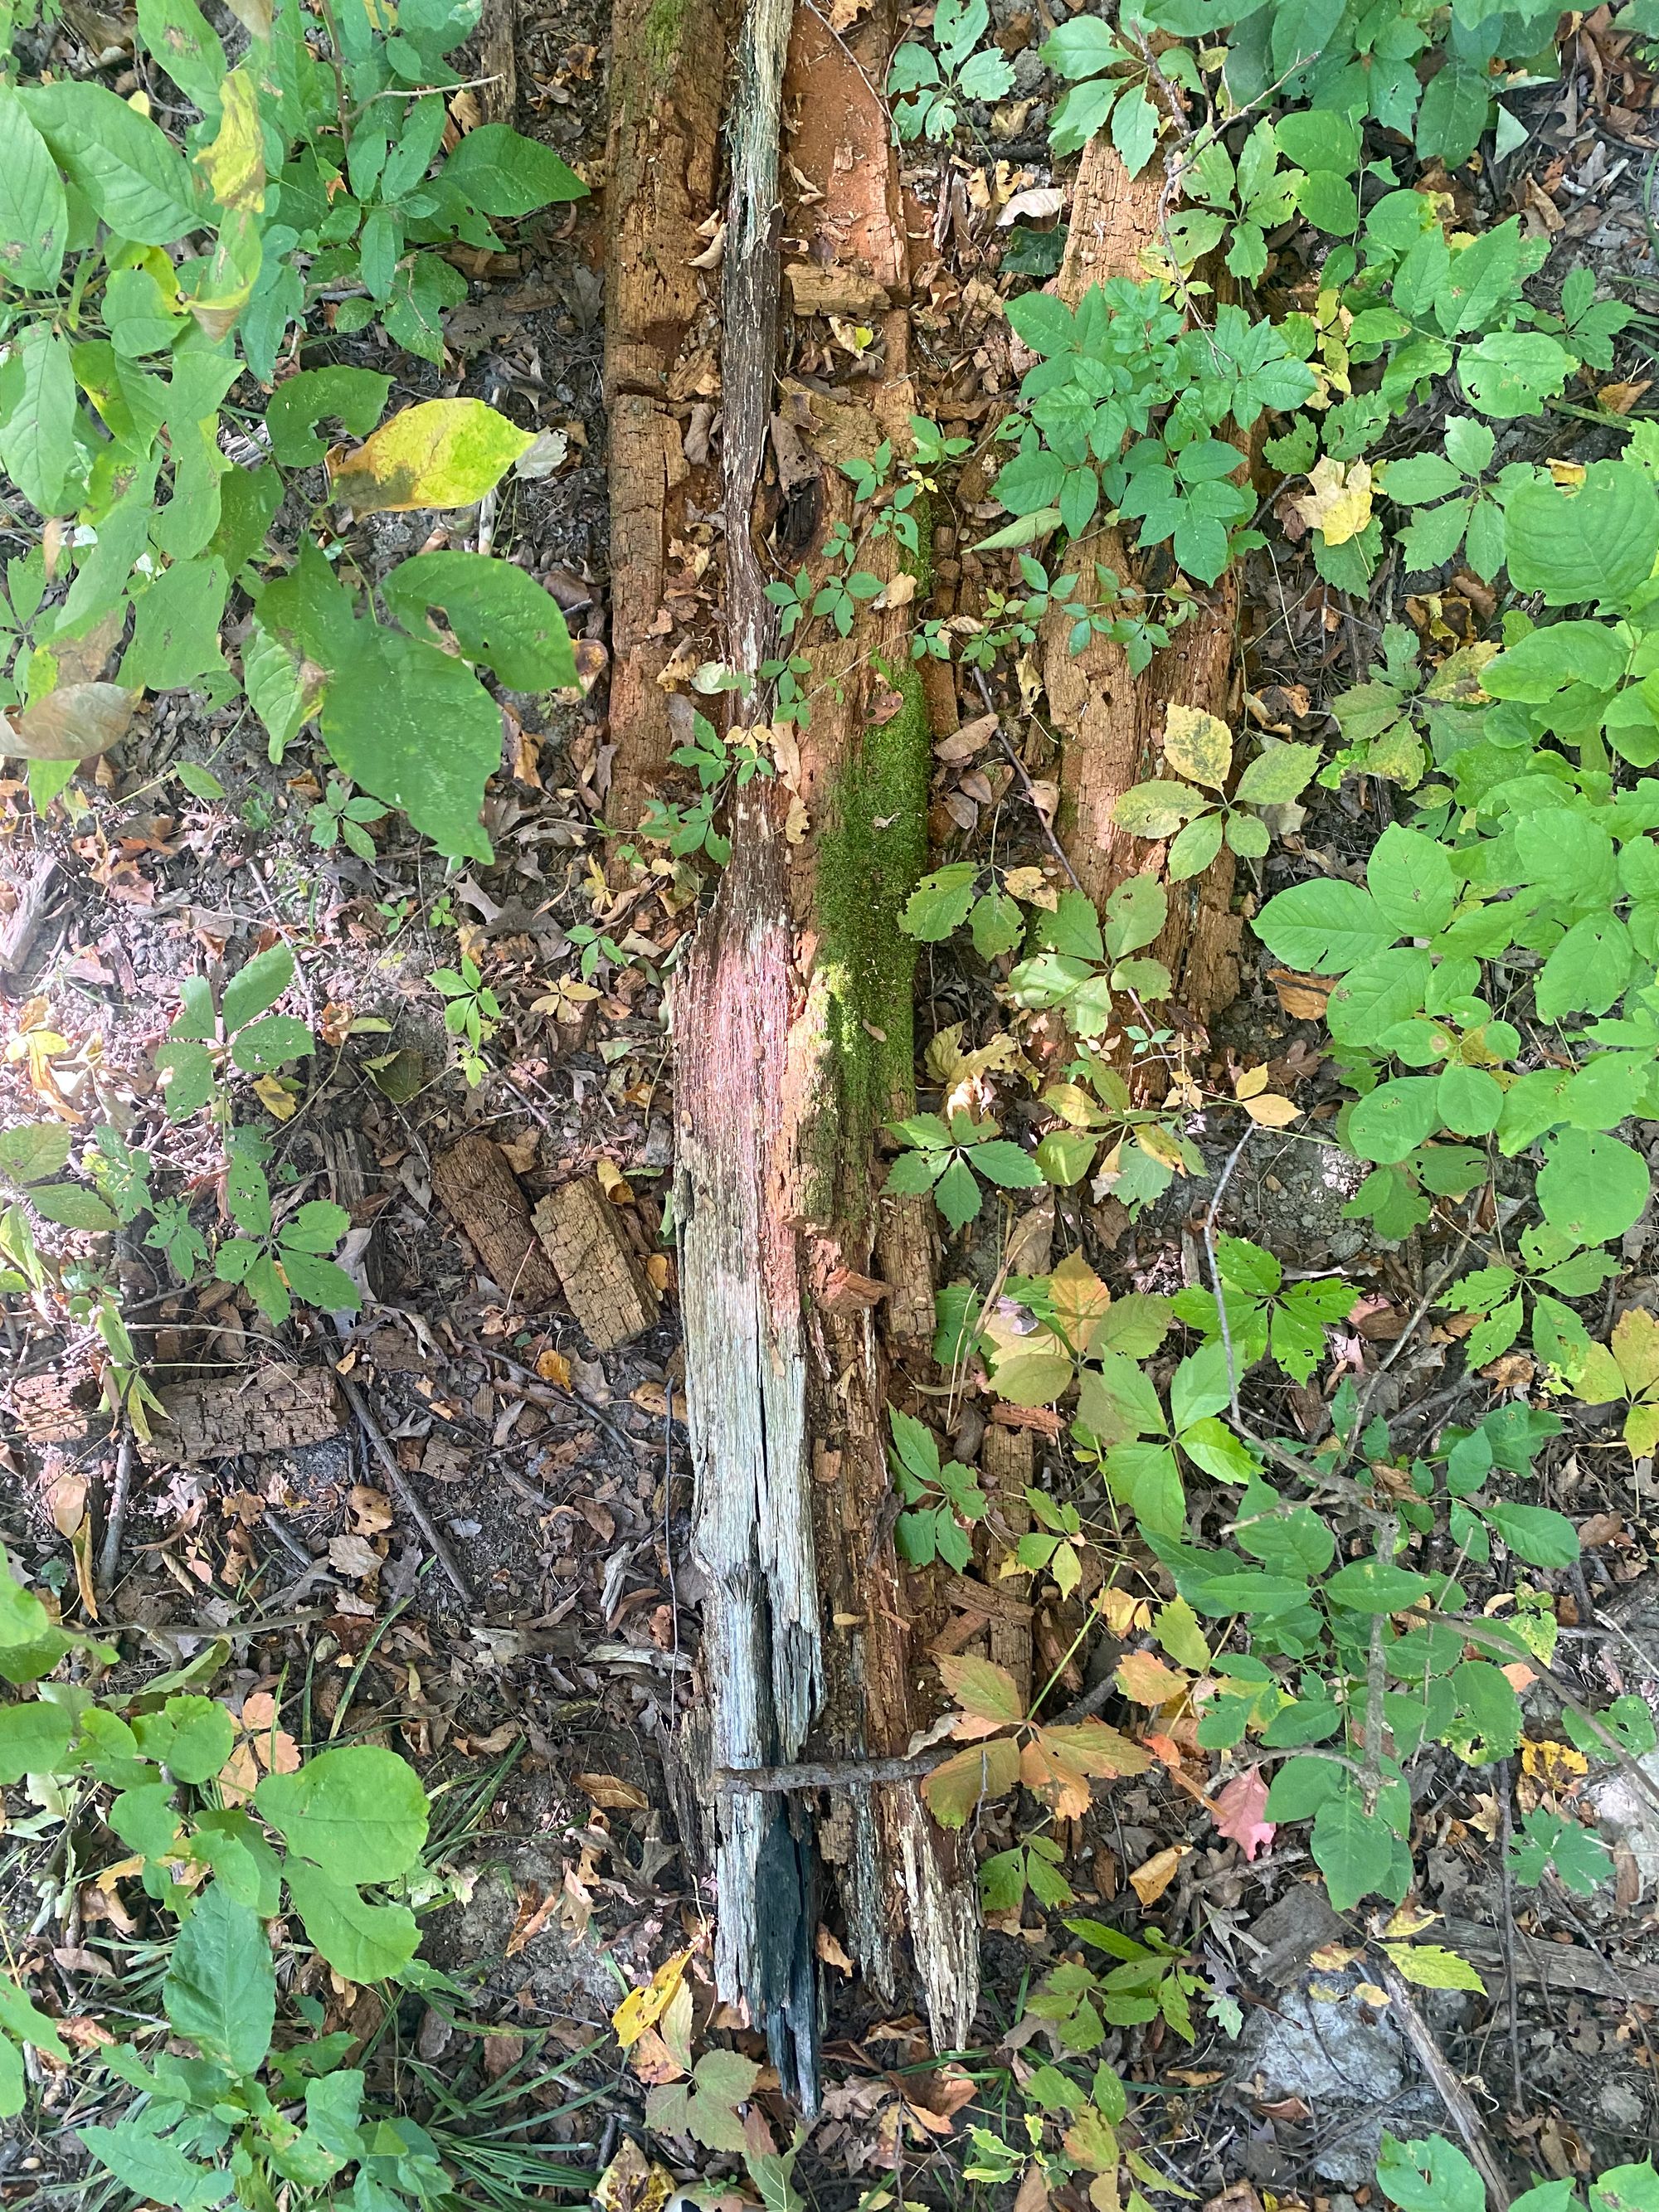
{"x":1108,"y":719}
{"x":666,"y":78}
{"x":481,"y":1194}
{"x":606,"y":1286}
{"x":263,"y":1409}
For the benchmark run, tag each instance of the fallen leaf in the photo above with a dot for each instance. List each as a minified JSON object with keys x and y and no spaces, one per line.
{"x":1240,"y":1806}
{"x":534,"y":1913}
{"x":610,"y":1793}
{"x":642,"y":2008}
{"x":1151,"y":1880}
{"x":71,"y":724}
{"x":1620,"y":399}
{"x":1148,"y":1681}
{"x":1270,"y":1111}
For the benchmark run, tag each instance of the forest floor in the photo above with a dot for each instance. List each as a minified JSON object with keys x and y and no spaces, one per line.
{"x":535,"y":1660}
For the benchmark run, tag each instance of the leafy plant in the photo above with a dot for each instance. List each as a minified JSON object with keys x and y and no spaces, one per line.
{"x":1151,"y":1981}
{"x":1005,"y":1746}
{"x":341,"y":817}
{"x":718,"y":766}
{"x":933,"y":85}
{"x":1201,"y":746}
{"x":1266,"y":1317}
{"x":280,"y":1259}
{"x":472,"y":1013}
{"x":947,"y":1159}
{"x":1432,"y":2175}
{"x":939,"y":1501}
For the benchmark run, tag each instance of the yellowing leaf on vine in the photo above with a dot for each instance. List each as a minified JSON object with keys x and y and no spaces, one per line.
{"x":1339,"y":503}
{"x":443,"y":453}
{"x":1176,"y":1627}
{"x":641,"y":2008}
{"x":1079,"y":1298}
{"x":983,"y":1770}
{"x":1145,"y":1680}
{"x":1198,"y":745}
{"x":235,"y":163}
{"x":1634,"y":1346}
{"x":1270,"y":1111}
{"x":989,"y":1696}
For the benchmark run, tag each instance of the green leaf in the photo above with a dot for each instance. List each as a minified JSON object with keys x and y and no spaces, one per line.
{"x":34,"y":212}
{"x":186,"y":1074}
{"x":152,"y":2169}
{"x":272,"y":1043}
{"x":1597,"y":543}
{"x":957,"y":1195}
{"x":134,"y":179}
{"x":360,"y":1811}
{"x":1512,"y":373}
{"x":1468,"y":1100}
{"x":192,"y":1736}
{"x":34,"y":1738}
{"x":1432,"y":1966}
{"x":34,"y":1150}
{"x":355,"y":396}
{"x":37,"y":416}
{"x":73,"y":1208}
{"x":220,"y":1985}
{"x":180,"y":38}
{"x":1376,"y":1586}
{"x":175,"y":635}
{"x":1591,"y":1186}
{"x":1410,"y":876}
{"x":1535,"y":1533}
{"x":1326,"y":924}
{"x":364,"y":1943}
{"x":1354,"y":1849}
{"x":1396,"y":1117}
{"x":1388,"y":989}
{"x":1193,"y":848}
{"x":1431,"y":2176}
{"x":940,"y":902}
{"x":501,"y":173}
{"x":1278,"y":776}
{"x":1006,"y":1165}
{"x":257,"y":986}
{"x":499,"y":614}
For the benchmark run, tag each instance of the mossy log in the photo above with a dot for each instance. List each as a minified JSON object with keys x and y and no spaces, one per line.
{"x":1110,"y":721}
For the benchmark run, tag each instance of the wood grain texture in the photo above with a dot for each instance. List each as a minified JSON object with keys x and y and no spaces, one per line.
{"x":606,"y":1288}
{"x":481,"y":1194}
{"x":262,"y":1409}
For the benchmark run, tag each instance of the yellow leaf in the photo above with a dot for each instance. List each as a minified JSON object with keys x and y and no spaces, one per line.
{"x":1272,"y":1111}
{"x":1251,"y":1081}
{"x":235,"y":164}
{"x":1556,"y":1763}
{"x":642,"y":2008}
{"x":553,"y":1367}
{"x":1339,"y":503}
{"x":1635,"y":1345}
{"x":1368,"y":1993}
{"x":1079,"y":1299}
{"x":275,"y":1097}
{"x":444,"y":452}
{"x":81,"y":1546}
{"x":1431,"y":1967}
{"x":1409,"y":1920}
{"x":1152,"y":1879}
{"x":1162,"y":1147}
{"x":1176,"y":1627}
{"x":1197,"y":744}
{"x":1145,"y":1680}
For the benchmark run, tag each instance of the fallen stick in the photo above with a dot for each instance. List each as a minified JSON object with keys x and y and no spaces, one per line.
{"x":1449,"y":2088}
{"x":403,"y":1491}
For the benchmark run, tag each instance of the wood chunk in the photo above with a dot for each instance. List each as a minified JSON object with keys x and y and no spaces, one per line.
{"x":608,"y":1290}
{"x":834,"y":291}
{"x":481,"y":1194}
{"x":264,"y":1409}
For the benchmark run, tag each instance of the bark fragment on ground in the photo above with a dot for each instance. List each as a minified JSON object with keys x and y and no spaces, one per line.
{"x":1110,"y":721}
{"x":262,"y":1409}
{"x":481,"y":1194}
{"x":603,"y":1283}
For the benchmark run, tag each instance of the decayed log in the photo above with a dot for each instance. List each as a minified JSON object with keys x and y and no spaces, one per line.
{"x":1111,"y":721}
{"x":264,"y":1409}
{"x":481,"y":1194}
{"x":603,"y":1283}
{"x":792,"y":1020}
{"x":667,"y":71}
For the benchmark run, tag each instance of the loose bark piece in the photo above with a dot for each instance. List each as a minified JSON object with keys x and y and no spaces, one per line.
{"x":1111,"y":721}
{"x":666,"y":79}
{"x":264,"y":1409}
{"x":605,"y":1286}
{"x":498,"y":60}
{"x":20,"y":927}
{"x":481,"y":1195}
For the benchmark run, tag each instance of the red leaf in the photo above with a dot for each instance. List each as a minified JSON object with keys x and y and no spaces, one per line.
{"x":1238,"y":1810}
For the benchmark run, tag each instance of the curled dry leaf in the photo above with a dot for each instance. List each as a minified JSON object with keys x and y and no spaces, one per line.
{"x":610,"y":1793}
{"x":1151,"y":1880}
{"x":73,"y":723}
{"x":1035,"y":205}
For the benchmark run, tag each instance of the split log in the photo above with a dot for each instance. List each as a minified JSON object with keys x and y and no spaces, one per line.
{"x":666,"y":79}
{"x":603,"y":1283}
{"x":792,"y":1020}
{"x":1110,"y":721}
{"x":481,"y":1194}
{"x":498,"y":60}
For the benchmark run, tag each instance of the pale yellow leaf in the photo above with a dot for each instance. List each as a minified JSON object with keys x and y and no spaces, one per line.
{"x":443,"y":453}
{"x":1339,"y":503}
{"x":1198,"y":745}
{"x":1149,"y":1880}
{"x":1272,"y":1111}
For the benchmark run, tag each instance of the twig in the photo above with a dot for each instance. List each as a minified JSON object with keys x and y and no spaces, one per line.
{"x":1020,"y":768}
{"x":1224,"y":1178}
{"x":403,"y":1491}
{"x":115,"y":1522}
{"x":831,"y":1774}
{"x":1506,"y":1877}
{"x":1376,"y":1678}
{"x":1449,"y":2088}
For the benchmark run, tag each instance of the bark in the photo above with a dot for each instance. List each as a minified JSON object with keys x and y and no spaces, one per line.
{"x":1110,"y":721}
{"x":607,"y":1289}
{"x":266,"y":1410}
{"x":481,"y":1194}
{"x":666,"y":83}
